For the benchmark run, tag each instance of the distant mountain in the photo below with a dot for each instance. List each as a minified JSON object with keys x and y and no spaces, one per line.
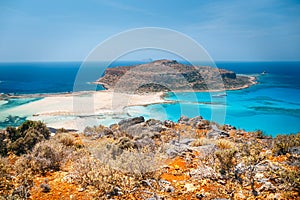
{"x":170,"y":75}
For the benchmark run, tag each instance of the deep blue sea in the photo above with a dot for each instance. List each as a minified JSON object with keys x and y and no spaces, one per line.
{"x":273,"y":105}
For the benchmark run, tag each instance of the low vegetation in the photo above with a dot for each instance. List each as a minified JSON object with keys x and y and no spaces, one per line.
{"x":144,"y":160}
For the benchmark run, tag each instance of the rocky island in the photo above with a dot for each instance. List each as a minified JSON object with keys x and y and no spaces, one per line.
{"x":170,"y":75}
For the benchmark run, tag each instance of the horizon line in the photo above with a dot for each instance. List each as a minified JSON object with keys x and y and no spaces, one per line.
{"x":61,"y":61}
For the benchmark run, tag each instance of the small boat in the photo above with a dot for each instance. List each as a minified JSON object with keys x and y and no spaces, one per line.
{"x":219,"y":95}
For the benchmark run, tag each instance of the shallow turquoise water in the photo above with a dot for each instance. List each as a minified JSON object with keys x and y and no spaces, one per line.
{"x":9,"y":119}
{"x":270,"y":107}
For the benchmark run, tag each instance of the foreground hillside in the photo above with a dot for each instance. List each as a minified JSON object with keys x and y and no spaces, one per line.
{"x":138,"y":159}
{"x":166,"y":75}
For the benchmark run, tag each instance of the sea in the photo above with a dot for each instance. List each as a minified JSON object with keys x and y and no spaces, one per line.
{"x":272,"y":105}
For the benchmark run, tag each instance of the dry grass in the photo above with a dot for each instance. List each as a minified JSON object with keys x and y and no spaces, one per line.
{"x":201,"y":142}
{"x":224,"y":144}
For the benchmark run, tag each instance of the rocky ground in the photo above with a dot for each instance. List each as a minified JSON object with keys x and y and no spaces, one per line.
{"x":138,"y":159}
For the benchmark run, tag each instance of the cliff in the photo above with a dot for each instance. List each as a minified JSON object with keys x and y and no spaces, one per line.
{"x":170,"y":75}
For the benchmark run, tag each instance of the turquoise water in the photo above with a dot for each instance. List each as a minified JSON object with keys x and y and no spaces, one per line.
{"x":9,"y":119}
{"x":273,"y":105}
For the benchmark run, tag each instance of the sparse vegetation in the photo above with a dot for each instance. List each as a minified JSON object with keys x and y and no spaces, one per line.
{"x":22,"y":139}
{"x":172,"y":163}
{"x":283,"y":144}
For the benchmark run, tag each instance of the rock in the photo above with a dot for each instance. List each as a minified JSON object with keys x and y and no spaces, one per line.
{"x":259,"y":176}
{"x":152,"y":122}
{"x":295,"y":150}
{"x":170,"y":189}
{"x":176,"y":150}
{"x":115,"y":192}
{"x":186,"y":141}
{"x":217,"y":134}
{"x":203,"y":124}
{"x":126,"y":123}
{"x":80,"y":189}
{"x":267,"y":186}
{"x":221,"y":199}
{"x":146,"y":183}
{"x":45,"y":187}
{"x":140,"y":143}
{"x":190,"y":187}
{"x":194,"y":121}
{"x":169,"y":123}
{"x":157,"y":128}
{"x":183,"y":120}
{"x":204,"y":172}
{"x":135,"y":130}
{"x":107,"y":131}
{"x":206,"y":150}
{"x":200,"y":196}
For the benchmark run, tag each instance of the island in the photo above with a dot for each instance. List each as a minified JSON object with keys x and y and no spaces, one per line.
{"x":170,"y":75}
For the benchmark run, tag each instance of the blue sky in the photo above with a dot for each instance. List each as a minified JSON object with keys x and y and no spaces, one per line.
{"x":64,"y":30}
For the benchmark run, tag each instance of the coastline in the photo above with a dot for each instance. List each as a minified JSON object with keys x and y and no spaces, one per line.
{"x":68,"y":110}
{"x":86,"y":104}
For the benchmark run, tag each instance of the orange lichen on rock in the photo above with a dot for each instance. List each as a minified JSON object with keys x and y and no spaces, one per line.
{"x":59,"y":188}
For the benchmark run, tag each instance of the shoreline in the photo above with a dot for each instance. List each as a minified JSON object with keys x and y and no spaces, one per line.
{"x":74,"y":110}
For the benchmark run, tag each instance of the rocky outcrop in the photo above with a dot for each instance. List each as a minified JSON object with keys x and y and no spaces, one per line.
{"x":170,"y":75}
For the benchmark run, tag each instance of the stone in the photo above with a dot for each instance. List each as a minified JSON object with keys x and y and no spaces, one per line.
{"x":194,"y":121}
{"x":267,"y":186}
{"x":186,"y":141}
{"x":183,"y":120}
{"x":169,"y":123}
{"x":217,"y":134}
{"x":126,"y":123}
{"x":176,"y":150}
{"x":45,"y":187}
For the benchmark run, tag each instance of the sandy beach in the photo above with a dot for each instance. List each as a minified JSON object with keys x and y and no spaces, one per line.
{"x":75,"y":111}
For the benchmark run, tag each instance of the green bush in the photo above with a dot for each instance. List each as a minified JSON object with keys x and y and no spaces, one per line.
{"x":22,"y":139}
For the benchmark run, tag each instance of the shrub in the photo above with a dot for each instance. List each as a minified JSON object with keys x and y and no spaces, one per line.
{"x":6,"y":185}
{"x":3,"y":143}
{"x":201,"y":142}
{"x":22,"y":139}
{"x":224,"y":144}
{"x":24,"y":177}
{"x":46,"y":156}
{"x":66,"y":139}
{"x":97,"y":130}
{"x":226,"y":159}
{"x":49,"y":155}
{"x":89,"y":171}
{"x":282,"y":144}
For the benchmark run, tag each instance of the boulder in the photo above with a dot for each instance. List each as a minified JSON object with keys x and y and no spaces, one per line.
{"x":126,"y":123}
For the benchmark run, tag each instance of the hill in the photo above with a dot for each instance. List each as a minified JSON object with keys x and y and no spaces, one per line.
{"x":170,"y":75}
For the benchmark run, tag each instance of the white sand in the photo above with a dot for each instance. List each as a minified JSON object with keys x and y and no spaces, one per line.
{"x":79,"y":110}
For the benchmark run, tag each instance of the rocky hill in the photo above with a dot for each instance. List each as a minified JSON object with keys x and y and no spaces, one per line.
{"x":170,"y":75}
{"x":148,"y":159}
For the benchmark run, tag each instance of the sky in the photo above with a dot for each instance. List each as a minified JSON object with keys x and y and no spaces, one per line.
{"x":68,"y":30}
